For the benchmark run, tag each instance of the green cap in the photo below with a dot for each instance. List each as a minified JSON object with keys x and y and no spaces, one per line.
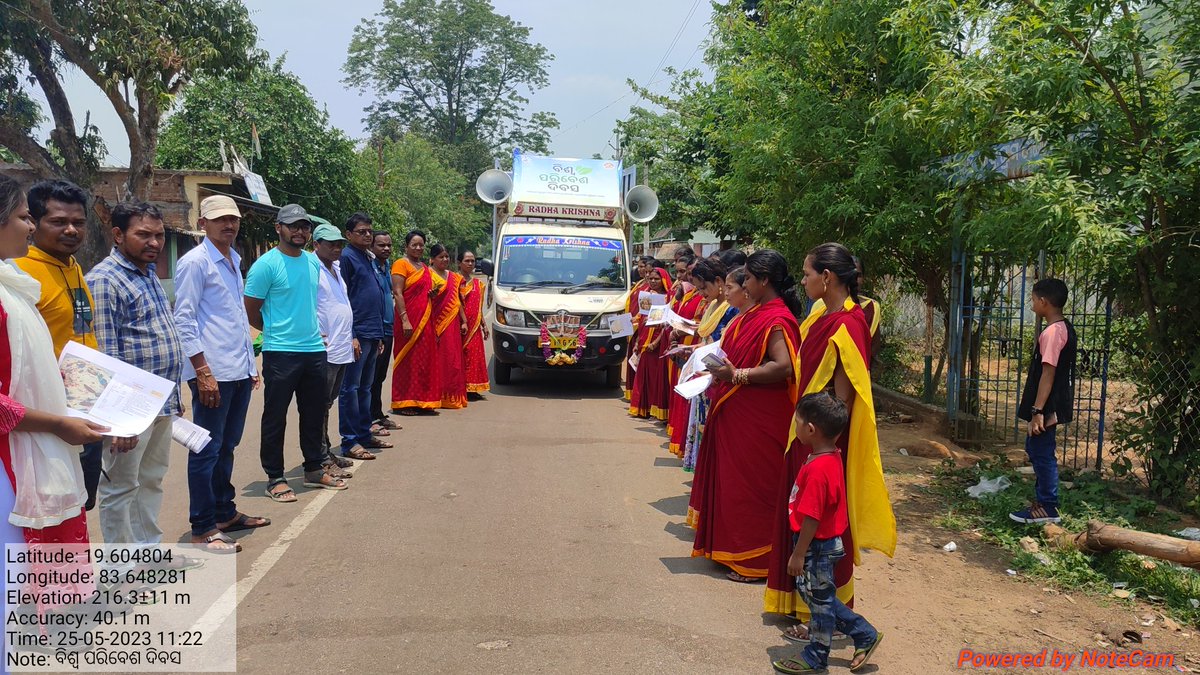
{"x":327,"y":232}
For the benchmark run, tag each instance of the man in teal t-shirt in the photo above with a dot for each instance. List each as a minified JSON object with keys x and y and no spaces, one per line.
{"x":281,"y":301}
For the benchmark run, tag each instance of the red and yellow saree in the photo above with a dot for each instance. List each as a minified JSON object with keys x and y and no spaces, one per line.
{"x":448,"y":319}
{"x":689,"y":307}
{"x":473,"y":352}
{"x":416,"y":381}
{"x":741,"y":450}
{"x":826,"y":340}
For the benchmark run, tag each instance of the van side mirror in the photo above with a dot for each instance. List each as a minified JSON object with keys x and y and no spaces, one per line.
{"x":485,"y":267}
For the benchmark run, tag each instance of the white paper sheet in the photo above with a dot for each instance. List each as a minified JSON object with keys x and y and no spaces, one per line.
{"x":111,"y":392}
{"x":695,"y":364}
{"x":658,"y":314}
{"x":648,"y":300}
{"x":621,"y":325}
{"x":191,"y":436}
{"x":694,"y":387}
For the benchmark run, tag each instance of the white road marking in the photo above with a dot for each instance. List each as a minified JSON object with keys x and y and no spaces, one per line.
{"x":267,"y":559}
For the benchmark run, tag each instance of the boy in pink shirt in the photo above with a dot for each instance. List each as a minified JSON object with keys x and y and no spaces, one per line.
{"x":1048,"y":398}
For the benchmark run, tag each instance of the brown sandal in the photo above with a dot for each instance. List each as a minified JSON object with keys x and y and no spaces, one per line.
{"x":357,"y":452}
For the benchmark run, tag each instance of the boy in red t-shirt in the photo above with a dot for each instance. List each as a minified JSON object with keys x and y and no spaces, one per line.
{"x":817,"y":509}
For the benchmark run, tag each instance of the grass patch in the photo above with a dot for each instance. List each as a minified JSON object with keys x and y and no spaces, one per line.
{"x":1159,"y":582}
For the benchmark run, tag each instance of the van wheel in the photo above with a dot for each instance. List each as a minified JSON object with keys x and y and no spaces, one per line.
{"x":612,"y":376}
{"x":502,"y":372}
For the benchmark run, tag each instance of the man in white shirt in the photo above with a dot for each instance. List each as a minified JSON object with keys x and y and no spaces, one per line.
{"x":336,"y":319}
{"x":220,"y":370}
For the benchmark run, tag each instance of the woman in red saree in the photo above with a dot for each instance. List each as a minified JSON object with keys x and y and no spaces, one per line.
{"x":632,"y":308}
{"x":450,"y":325}
{"x":689,"y":306}
{"x":834,"y":353}
{"x":753,"y":395}
{"x":416,"y":372}
{"x":473,"y":354}
{"x":649,"y":396}
{"x":42,"y":493}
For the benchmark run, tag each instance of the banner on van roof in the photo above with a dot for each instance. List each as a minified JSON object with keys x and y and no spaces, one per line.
{"x":557,"y":187}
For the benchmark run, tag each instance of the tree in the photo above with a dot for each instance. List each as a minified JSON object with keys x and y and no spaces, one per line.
{"x":412,"y":177}
{"x":1109,"y":89}
{"x":303,"y":159}
{"x":455,"y":72}
{"x":138,"y":53}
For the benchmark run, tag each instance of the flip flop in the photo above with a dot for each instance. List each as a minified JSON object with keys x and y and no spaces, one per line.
{"x":219,"y":537}
{"x":866,"y":652}
{"x":377,"y":444}
{"x":387,"y":423}
{"x":239,"y":523}
{"x":358,"y":453}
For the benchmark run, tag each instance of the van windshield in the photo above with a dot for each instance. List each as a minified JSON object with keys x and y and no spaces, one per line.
{"x":553,"y":261}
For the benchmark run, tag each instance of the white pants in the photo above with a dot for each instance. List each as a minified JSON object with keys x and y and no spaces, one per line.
{"x":130,"y":492}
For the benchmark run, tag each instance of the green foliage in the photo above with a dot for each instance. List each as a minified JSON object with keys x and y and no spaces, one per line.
{"x":417,"y":188}
{"x":454,"y":71}
{"x":1091,"y":498}
{"x":304,"y":160}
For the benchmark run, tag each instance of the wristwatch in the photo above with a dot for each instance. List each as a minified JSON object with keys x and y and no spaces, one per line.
{"x":1035,"y":411}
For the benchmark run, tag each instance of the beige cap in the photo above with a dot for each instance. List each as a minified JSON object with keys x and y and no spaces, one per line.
{"x":217,"y":206}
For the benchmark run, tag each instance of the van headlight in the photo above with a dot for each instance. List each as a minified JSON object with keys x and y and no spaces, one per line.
{"x":511,"y":317}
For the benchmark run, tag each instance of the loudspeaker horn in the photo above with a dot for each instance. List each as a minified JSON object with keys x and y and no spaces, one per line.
{"x":493,"y":186}
{"x":641,"y":204}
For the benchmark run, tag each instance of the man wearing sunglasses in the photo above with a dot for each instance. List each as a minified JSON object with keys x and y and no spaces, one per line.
{"x":59,"y":211}
{"x":281,"y":301}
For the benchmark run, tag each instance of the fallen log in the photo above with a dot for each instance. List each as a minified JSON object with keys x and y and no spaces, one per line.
{"x":1102,"y":537}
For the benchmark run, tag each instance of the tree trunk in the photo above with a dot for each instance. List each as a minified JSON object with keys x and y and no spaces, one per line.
{"x":1102,"y":538}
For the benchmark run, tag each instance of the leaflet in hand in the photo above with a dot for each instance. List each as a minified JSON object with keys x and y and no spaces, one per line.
{"x":695,"y":366}
{"x":694,"y":387}
{"x":660,"y":314}
{"x":191,"y":436}
{"x":111,"y":392}
{"x":621,"y":325}
{"x":648,"y":300}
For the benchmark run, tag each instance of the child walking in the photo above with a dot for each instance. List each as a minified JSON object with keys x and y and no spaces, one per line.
{"x":817,"y":509}
{"x":1048,"y":398}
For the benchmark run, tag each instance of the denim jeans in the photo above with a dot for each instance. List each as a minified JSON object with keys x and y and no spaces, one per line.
{"x":210,"y":491}
{"x":91,"y":459}
{"x":828,"y":613}
{"x":288,"y":374}
{"x":381,"y":372}
{"x":1043,"y":454}
{"x":354,"y":401}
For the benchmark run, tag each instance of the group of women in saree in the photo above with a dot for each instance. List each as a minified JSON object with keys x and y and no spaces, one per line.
{"x":438,"y":360}
{"x":737,"y":436}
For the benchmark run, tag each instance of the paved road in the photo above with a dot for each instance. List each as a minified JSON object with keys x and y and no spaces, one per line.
{"x":539,"y":531}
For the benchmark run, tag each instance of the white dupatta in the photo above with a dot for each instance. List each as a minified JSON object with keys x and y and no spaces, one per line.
{"x":47,"y":473}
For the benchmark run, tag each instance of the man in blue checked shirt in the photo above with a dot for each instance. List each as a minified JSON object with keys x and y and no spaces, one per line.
{"x":220,"y":371}
{"x":133,"y":323}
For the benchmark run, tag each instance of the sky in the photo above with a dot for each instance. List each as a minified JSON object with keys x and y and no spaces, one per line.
{"x":597,"y":45}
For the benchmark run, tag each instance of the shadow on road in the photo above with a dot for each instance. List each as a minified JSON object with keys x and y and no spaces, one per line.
{"x":680,"y":531}
{"x":668,"y":461}
{"x":672,"y":506}
{"x":698,"y":566}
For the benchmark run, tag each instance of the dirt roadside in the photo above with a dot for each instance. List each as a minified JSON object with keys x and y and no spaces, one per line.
{"x":942,"y":603}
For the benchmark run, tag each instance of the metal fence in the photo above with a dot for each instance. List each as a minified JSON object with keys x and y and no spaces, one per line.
{"x":992,"y":330}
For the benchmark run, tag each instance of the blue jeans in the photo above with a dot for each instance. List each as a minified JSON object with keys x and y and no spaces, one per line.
{"x":1043,"y":454}
{"x":828,"y":613}
{"x":210,"y":470}
{"x":354,"y":400}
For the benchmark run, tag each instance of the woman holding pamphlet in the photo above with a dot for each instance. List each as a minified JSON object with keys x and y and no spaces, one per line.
{"x":834,"y":354}
{"x":753,"y":393}
{"x":709,"y":278}
{"x":688,"y":306}
{"x":44,"y":493}
{"x":650,"y":395}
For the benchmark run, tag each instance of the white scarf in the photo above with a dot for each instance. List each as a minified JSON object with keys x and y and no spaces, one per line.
{"x":47,"y":473}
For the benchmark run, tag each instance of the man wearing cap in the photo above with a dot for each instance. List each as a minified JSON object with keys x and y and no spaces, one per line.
{"x":220,"y":370}
{"x":366,"y":301}
{"x":336,"y":318}
{"x":281,"y":301}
